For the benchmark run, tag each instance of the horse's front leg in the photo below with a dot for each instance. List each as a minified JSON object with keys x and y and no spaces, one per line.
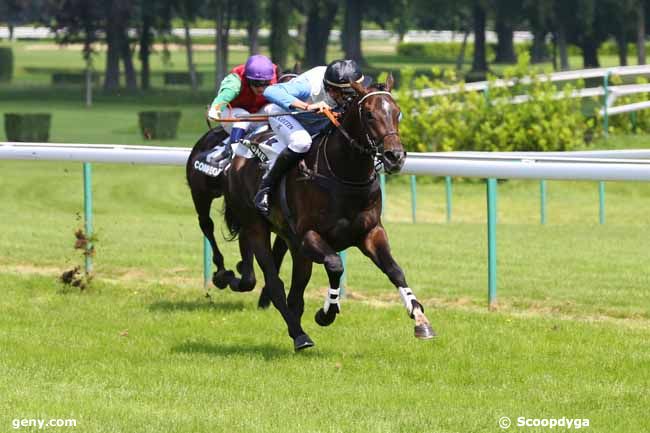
{"x":376,"y":246}
{"x":315,"y":248}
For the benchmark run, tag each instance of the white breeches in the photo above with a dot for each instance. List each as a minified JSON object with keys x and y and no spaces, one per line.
{"x":288,"y":130}
{"x":236,"y":111}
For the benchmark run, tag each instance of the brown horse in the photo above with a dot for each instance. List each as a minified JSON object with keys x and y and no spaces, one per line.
{"x":329,"y":207}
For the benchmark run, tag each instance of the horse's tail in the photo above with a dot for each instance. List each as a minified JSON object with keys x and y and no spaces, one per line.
{"x":233,"y":224}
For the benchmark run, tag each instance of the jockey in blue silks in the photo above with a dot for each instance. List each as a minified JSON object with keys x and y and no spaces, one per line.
{"x":317,"y":89}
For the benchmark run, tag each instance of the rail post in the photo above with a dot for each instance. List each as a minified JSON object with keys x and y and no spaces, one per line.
{"x":414,"y":199}
{"x":448,"y":194}
{"x":542,"y":201}
{"x":492,"y":242}
{"x":88,"y":217}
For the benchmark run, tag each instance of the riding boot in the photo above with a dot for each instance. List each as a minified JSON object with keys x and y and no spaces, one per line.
{"x":224,"y":155}
{"x":285,"y":160}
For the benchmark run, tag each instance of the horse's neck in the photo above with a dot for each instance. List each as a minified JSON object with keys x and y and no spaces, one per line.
{"x":346,"y":162}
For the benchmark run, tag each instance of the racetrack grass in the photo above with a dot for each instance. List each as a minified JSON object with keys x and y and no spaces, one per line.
{"x":143,"y":350}
{"x":147,"y":357}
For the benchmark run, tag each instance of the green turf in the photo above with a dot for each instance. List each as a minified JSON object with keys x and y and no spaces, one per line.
{"x":143,"y":350}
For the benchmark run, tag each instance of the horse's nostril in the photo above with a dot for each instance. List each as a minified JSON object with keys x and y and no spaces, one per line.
{"x":394,"y":156}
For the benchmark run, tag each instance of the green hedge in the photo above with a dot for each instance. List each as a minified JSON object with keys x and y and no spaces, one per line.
{"x":6,"y":64}
{"x":175,"y":78}
{"x":77,"y":78}
{"x":29,"y":127}
{"x":441,"y":52}
{"x":159,"y":124}
{"x":488,"y":122}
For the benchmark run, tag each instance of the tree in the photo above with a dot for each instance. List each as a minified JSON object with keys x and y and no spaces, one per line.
{"x":188,"y":10}
{"x":74,"y":20}
{"x":539,"y":14}
{"x":351,"y":34}
{"x":508,"y":14}
{"x":320,"y":18}
{"x":118,"y":13}
{"x":640,"y":34}
{"x":223,"y":12}
{"x":279,"y":11}
{"x":479,"y":63}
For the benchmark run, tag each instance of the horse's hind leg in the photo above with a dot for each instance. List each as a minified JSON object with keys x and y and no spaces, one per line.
{"x":260,"y":242}
{"x":376,"y":246}
{"x":279,"y":250}
{"x":319,"y":251}
{"x":202,"y":204}
{"x":245,"y":268}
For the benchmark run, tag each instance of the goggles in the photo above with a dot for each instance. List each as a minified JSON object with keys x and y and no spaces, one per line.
{"x":259,"y":83}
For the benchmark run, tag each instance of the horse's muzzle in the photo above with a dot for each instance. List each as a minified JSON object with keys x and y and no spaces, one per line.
{"x":393,"y":160}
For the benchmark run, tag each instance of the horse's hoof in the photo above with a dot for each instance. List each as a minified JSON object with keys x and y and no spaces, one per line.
{"x":302,"y":342}
{"x":326,"y":319}
{"x":264,"y":302}
{"x":221,"y":279}
{"x":424,"y":332}
{"x":242,"y":285}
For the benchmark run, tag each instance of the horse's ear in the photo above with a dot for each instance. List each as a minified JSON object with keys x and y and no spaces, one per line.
{"x":358,"y":87}
{"x":389,"y":82}
{"x":297,"y":68}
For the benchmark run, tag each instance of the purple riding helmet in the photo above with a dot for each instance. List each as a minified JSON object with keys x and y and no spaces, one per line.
{"x":259,"y":67}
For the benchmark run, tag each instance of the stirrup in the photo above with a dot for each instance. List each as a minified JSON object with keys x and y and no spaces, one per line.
{"x":262,"y":198}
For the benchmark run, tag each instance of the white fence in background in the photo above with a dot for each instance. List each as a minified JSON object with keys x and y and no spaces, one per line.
{"x":25,"y":32}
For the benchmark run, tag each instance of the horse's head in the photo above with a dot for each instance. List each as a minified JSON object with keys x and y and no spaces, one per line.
{"x":379,"y":117}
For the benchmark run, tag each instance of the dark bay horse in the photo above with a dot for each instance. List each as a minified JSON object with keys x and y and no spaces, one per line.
{"x":205,"y":189}
{"x":329,"y":207}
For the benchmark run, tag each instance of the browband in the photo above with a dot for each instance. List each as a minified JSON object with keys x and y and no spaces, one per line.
{"x":378,"y":92}
{"x":360,"y":80}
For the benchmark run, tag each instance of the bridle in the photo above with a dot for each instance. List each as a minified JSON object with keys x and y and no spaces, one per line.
{"x":374,"y":145}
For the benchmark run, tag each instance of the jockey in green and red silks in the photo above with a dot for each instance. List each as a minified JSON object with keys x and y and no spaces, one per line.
{"x":241,"y":93}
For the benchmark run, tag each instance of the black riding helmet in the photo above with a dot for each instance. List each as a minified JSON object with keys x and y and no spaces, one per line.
{"x":339,"y":73}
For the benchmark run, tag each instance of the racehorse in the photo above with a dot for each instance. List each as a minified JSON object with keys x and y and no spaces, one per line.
{"x":204,"y":190}
{"x":329,"y":207}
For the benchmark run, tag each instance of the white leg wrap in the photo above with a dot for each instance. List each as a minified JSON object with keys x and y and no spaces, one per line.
{"x":332,"y":298}
{"x":407,"y":297}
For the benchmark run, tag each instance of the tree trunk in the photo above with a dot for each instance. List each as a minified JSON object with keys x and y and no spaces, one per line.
{"x":539,"y":51}
{"x":590,"y":53}
{"x":253,"y":28}
{"x":127,"y":60}
{"x":479,"y":64}
{"x":640,"y":33}
{"x":351,"y":35}
{"x":112,"y":71}
{"x":505,"y":42}
{"x":145,"y":47}
{"x":279,"y":42}
{"x":221,"y":41}
{"x":188,"y":51}
{"x":460,"y":60}
{"x":621,"y":43}
{"x":319,"y":23}
{"x":562,"y":48}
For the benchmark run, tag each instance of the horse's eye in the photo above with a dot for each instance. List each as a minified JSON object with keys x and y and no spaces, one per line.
{"x":369,"y":116}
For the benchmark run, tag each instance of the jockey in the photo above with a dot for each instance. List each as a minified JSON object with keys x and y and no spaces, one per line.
{"x":242,"y":89}
{"x":319,"y":88}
